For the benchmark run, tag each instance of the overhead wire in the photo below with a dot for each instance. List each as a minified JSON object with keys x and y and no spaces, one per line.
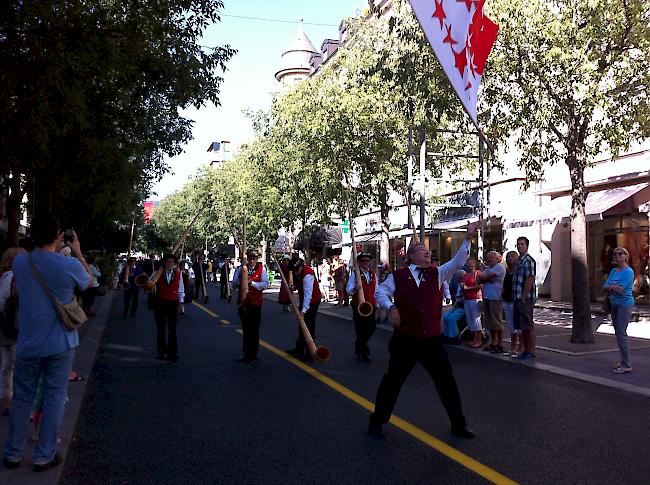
{"x":284,"y":21}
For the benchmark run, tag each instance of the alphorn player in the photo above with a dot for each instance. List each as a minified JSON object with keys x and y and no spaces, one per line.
{"x":250,"y":310}
{"x":415,"y":317}
{"x":364,"y":327}
{"x":132,"y":293}
{"x":168,"y":304}
{"x":309,"y":295}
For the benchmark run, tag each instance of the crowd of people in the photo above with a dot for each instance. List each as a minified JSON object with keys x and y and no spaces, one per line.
{"x":488,"y":301}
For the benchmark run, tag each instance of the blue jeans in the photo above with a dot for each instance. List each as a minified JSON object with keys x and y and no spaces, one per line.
{"x":450,"y":322}
{"x":620,"y":318}
{"x":55,"y":370}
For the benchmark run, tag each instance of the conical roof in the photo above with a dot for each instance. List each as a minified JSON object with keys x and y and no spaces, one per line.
{"x":296,"y":59}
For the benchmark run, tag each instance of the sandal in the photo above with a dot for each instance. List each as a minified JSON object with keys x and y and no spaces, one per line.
{"x":77,"y":378}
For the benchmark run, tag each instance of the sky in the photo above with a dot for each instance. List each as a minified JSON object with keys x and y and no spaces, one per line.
{"x":249,"y":81}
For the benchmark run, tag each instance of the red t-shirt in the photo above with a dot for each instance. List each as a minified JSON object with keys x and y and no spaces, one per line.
{"x":471,"y":280}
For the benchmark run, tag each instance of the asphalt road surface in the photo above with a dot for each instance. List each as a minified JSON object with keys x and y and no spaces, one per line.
{"x":208,"y":419}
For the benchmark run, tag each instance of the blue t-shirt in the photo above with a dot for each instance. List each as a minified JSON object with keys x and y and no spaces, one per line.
{"x":41,"y":332}
{"x":624,"y":278}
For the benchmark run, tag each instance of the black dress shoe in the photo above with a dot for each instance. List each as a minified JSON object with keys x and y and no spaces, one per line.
{"x":173,"y":359}
{"x":294,"y":352}
{"x":376,"y":431}
{"x":11,"y":465}
{"x":56,"y":461}
{"x":243,"y":360}
{"x":463,"y":432}
{"x":365,"y":359}
{"x":160,"y":357}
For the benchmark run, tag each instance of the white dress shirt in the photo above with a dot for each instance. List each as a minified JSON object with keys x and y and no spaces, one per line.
{"x":352,"y":280}
{"x":308,"y":289}
{"x":258,"y":285}
{"x":385,"y":291}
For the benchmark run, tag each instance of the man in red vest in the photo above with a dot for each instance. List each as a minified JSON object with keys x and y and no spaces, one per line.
{"x":364,"y":326}
{"x":170,"y":295}
{"x":415,"y":317}
{"x":304,"y":279}
{"x":250,"y":309}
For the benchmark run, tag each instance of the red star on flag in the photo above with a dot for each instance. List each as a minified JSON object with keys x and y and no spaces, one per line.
{"x":460,"y":60}
{"x":439,"y":12}
{"x":448,"y":39}
{"x":468,"y":87}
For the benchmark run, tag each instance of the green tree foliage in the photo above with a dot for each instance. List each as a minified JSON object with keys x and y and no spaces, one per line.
{"x":568,"y":80}
{"x":90,"y":94}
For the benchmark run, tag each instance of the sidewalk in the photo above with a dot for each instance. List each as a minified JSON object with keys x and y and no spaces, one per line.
{"x":638,"y":312}
{"x":587,"y":362}
{"x":89,"y":336}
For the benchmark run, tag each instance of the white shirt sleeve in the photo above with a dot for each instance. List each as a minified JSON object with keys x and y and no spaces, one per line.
{"x":181,"y":290}
{"x":445,"y":290}
{"x":352,"y":281}
{"x":308,"y":289}
{"x":264,"y":284}
{"x":447,"y":270}
{"x":384,"y":292}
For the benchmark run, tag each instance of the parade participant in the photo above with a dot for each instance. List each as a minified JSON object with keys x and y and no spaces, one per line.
{"x":150,"y":265}
{"x":364,"y":326}
{"x":199,"y":268}
{"x":224,"y":274}
{"x":417,"y":337}
{"x":250,"y":309}
{"x":304,"y":279}
{"x":284,"y":298}
{"x":169,"y":298}
{"x":131,"y":293}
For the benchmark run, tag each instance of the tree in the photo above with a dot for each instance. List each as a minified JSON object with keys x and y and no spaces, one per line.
{"x":90,"y":94}
{"x":568,"y":80}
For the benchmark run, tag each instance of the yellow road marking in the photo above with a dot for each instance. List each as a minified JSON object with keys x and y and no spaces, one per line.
{"x":209,"y":312}
{"x":225,"y":322}
{"x":418,"y":433}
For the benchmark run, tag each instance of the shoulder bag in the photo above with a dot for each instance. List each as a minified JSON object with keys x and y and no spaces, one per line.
{"x":71,"y":314}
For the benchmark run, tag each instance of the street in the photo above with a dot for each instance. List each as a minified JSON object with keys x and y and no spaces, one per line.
{"x":208,"y":419}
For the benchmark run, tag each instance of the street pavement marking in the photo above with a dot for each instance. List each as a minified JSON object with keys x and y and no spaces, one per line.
{"x":209,"y":312}
{"x":418,"y":433}
{"x":225,"y":322}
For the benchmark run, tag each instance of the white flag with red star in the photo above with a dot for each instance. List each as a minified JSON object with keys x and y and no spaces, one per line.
{"x":462,"y":38}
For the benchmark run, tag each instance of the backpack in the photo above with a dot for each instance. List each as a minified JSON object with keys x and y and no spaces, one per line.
{"x":9,"y":314}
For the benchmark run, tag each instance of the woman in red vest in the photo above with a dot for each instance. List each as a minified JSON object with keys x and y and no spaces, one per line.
{"x":364,"y":327}
{"x":304,"y":279}
{"x":170,"y":295}
{"x":250,"y":309}
{"x":415,"y":316}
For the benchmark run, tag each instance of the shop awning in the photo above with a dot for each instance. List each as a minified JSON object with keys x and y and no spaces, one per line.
{"x":454,"y":224}
{"x":604,"y":200}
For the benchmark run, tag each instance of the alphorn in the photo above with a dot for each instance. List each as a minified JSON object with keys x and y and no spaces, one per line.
{"x":317,"y":353}
{"x":416,"y":238}
{"x":228,"y":288}
{"x":147,"y":282}
{"x":206,"y":297}
{"x":243,"y":272}
{"x":364,"y":308}
{"x":125,"y":282}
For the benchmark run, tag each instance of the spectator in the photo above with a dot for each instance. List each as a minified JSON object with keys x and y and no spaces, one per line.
{"x":208,"y":271}
{"x":452,"y":317}
{"x":492,"y":278}
{"x":132,"y":293}
{"x":340,"y":280}
{"x":324,"y":274}
{"x":516,"y":344}
{"x":44,"y":346}
{"x":524,"y":293}
{"x":619,"y":291}
{"x":88,"y":296}
{"x":7,"y":336}
{"x":471,"y":287}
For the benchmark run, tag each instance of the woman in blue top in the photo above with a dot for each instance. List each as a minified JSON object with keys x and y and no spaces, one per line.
{"x":619,"y":290}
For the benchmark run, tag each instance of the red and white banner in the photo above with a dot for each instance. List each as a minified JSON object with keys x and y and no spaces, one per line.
{"x":462,"y":38}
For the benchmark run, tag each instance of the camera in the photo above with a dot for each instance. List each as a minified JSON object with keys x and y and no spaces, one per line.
{"x":68,"y":236}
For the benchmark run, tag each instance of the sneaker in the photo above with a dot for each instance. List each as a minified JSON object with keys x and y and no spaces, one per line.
{"x":55,"y":461}
{"x":527,"y":358}
{"x":622,"y":370}
{"x":508,"y":353}
{"x":10,"y":464}
{"x":514,"y":355}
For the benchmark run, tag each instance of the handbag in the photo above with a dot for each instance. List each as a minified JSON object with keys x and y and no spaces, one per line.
{"x":71,"y":314}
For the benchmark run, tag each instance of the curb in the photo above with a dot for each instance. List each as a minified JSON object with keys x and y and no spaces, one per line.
{"x":83,"y":364}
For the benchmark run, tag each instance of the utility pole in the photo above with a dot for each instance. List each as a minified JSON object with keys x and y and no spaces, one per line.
{"x":410,"y":177}
{"x":423,"y":154}
{"x":481,"y":177}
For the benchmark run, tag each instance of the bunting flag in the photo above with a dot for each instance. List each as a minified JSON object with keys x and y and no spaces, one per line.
{"x":461,"y":38}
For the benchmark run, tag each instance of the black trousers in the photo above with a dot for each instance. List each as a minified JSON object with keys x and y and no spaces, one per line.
{"x":364,"y":327}
{"x":405,"y":352}
{"x":251,"y":318}
{"x":198,"y":288}
{"x":310,"y":321}
{"x":224,"y":289}
{"x":166,"y":315}
{"x":131,"y":299}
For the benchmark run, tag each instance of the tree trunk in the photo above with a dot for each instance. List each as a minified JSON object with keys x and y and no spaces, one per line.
{"x":582,"y":331}
{"x":14,"y":199}
{"x":384,"y":210}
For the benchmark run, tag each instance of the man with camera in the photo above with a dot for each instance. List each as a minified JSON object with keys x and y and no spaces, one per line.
{"x":44,"y":347}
